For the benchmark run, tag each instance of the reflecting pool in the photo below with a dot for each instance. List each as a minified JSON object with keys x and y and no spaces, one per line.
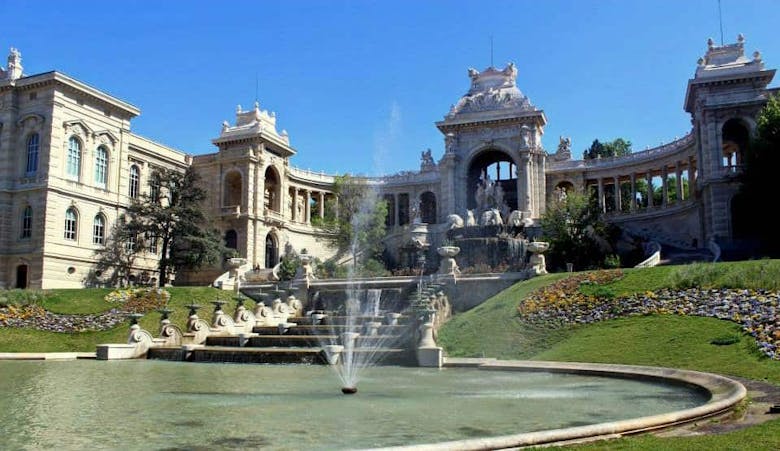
{"x":169,"y":406}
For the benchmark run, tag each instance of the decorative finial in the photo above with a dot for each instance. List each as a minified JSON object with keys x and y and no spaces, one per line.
{"x":710,"y":43}
{"x":700,"y":61}
{"x":225,"y":126}
{"x":14,"y":69}
{"x":238,"y":108}
{"x":257,"y":105}
{"x":757,"y":56}
{"x":740,"y":38}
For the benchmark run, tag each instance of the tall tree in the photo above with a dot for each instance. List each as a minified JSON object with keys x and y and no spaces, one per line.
{"x":761,"y":160}
{"x":358,"y":222}
{"x":616,"y":148}
{"x":576,"y":232}
{"x":116,"y":258}
{"x":172,"y":220}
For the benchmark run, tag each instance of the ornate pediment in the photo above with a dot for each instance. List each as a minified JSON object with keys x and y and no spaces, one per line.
{"x":492,"y":90}
{"x":77,"y":127}
{"x":106,"y":137}
{"x":31,"y":120}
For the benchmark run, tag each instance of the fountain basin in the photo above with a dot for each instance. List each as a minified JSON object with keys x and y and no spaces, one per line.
{"x":156,"y":404}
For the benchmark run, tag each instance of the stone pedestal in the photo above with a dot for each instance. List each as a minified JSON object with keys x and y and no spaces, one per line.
{"x":448,"y":265}
{"x":537,"y":263}
{"x":428,"y":354}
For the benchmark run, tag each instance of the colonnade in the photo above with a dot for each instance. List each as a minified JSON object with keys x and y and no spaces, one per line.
{"x":617,"y":181}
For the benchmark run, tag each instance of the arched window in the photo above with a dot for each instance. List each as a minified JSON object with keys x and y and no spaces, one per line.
{"x":71,"y":223}
{"x":27,"y":217}
{"x":735,"y":137}
{"x":73,"y":165}
{"x":101,"y":167}
{"x":33,"y":144}
{"x":99,"y":230}
{"x":272,"y":192}
{"x":271,"y":252}
{"x":135,"y":181}
{"x":231,"y":239}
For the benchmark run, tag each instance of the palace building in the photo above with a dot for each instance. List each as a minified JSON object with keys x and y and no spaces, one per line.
{"x":70,"y":165}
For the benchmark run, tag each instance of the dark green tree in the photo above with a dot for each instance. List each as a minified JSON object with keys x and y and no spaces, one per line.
{"x":761,"y":160}
{"x":576,"y":232}
{"x":617,"y":148}
{"x":358,"y":220}
{"x":115,"y":258}
{"x":171,"y":220}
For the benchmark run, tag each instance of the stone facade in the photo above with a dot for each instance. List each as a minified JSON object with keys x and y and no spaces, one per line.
{"x":66,"y":150}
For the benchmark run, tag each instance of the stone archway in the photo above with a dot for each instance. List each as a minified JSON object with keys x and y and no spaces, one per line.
{"x":735,"y":138}
{"x":496,"y":168}
{"x":273,"y":190}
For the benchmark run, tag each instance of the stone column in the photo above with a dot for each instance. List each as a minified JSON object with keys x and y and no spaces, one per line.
{"x":618,"y":199}
{"x":602,"y":204}
{"x":294,"y":209}
{"x":664,"y":186}
{"x":395,"y":210}
{"x":633,"y":191}
{"x":322,"y":205}
{"x":525,"y":201}
{"x":678,"y":175}
{"x":307,"y":207}
{"x":649,"y":177}
{"x":691,"y":178}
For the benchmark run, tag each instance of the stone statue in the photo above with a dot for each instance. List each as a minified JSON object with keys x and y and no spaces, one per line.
{"x":414,"y":211}
{"x":491,"y":217}
{"x":564,"y":144}
{"x":470,"y":220}
{"x":426,"y":161}
{"x":454,"y":222}
{"x":515,"y":219}
{"x":449,"y":142}
{"x":299,"y":210}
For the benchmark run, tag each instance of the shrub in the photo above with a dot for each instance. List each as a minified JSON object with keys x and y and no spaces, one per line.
{"x":725,"y":340}
{"x":21,"y":297}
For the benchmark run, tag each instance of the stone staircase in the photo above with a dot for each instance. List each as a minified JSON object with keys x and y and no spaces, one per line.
{"x":386,"y":339}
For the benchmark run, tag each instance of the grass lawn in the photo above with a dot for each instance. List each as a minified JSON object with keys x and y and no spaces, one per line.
{"x":91,"y":300}
{"x":494,"y":329}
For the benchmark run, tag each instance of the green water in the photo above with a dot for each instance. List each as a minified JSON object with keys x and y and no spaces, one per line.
{"x":159,"y":405}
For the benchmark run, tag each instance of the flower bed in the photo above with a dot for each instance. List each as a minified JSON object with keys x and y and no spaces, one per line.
{"x":562,"y":304}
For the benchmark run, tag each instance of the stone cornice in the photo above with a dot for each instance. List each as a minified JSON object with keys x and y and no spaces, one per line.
{"x":53,"y":77}
{"x":537,"y":117}
{"x":764,"y":77}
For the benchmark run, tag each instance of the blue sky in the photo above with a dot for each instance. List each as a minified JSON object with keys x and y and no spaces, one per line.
{"x":359,"y":84}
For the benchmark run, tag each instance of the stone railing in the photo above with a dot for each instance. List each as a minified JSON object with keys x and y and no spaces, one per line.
{"x":635,"y":157}
{"x":654,"y":256}
{"x":307,"y":174}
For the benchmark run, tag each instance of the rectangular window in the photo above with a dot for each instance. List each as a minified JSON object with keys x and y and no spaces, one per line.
{"x":70,"y":228}
{"x":152,"y":240}
{"x":27,"y":223}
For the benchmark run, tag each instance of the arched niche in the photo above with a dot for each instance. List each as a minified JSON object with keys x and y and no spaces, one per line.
{"x":232,"y":189}
{"x":272,"y":191}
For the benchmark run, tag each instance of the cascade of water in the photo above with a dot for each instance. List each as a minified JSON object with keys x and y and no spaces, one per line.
{"x":373,"y":298}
